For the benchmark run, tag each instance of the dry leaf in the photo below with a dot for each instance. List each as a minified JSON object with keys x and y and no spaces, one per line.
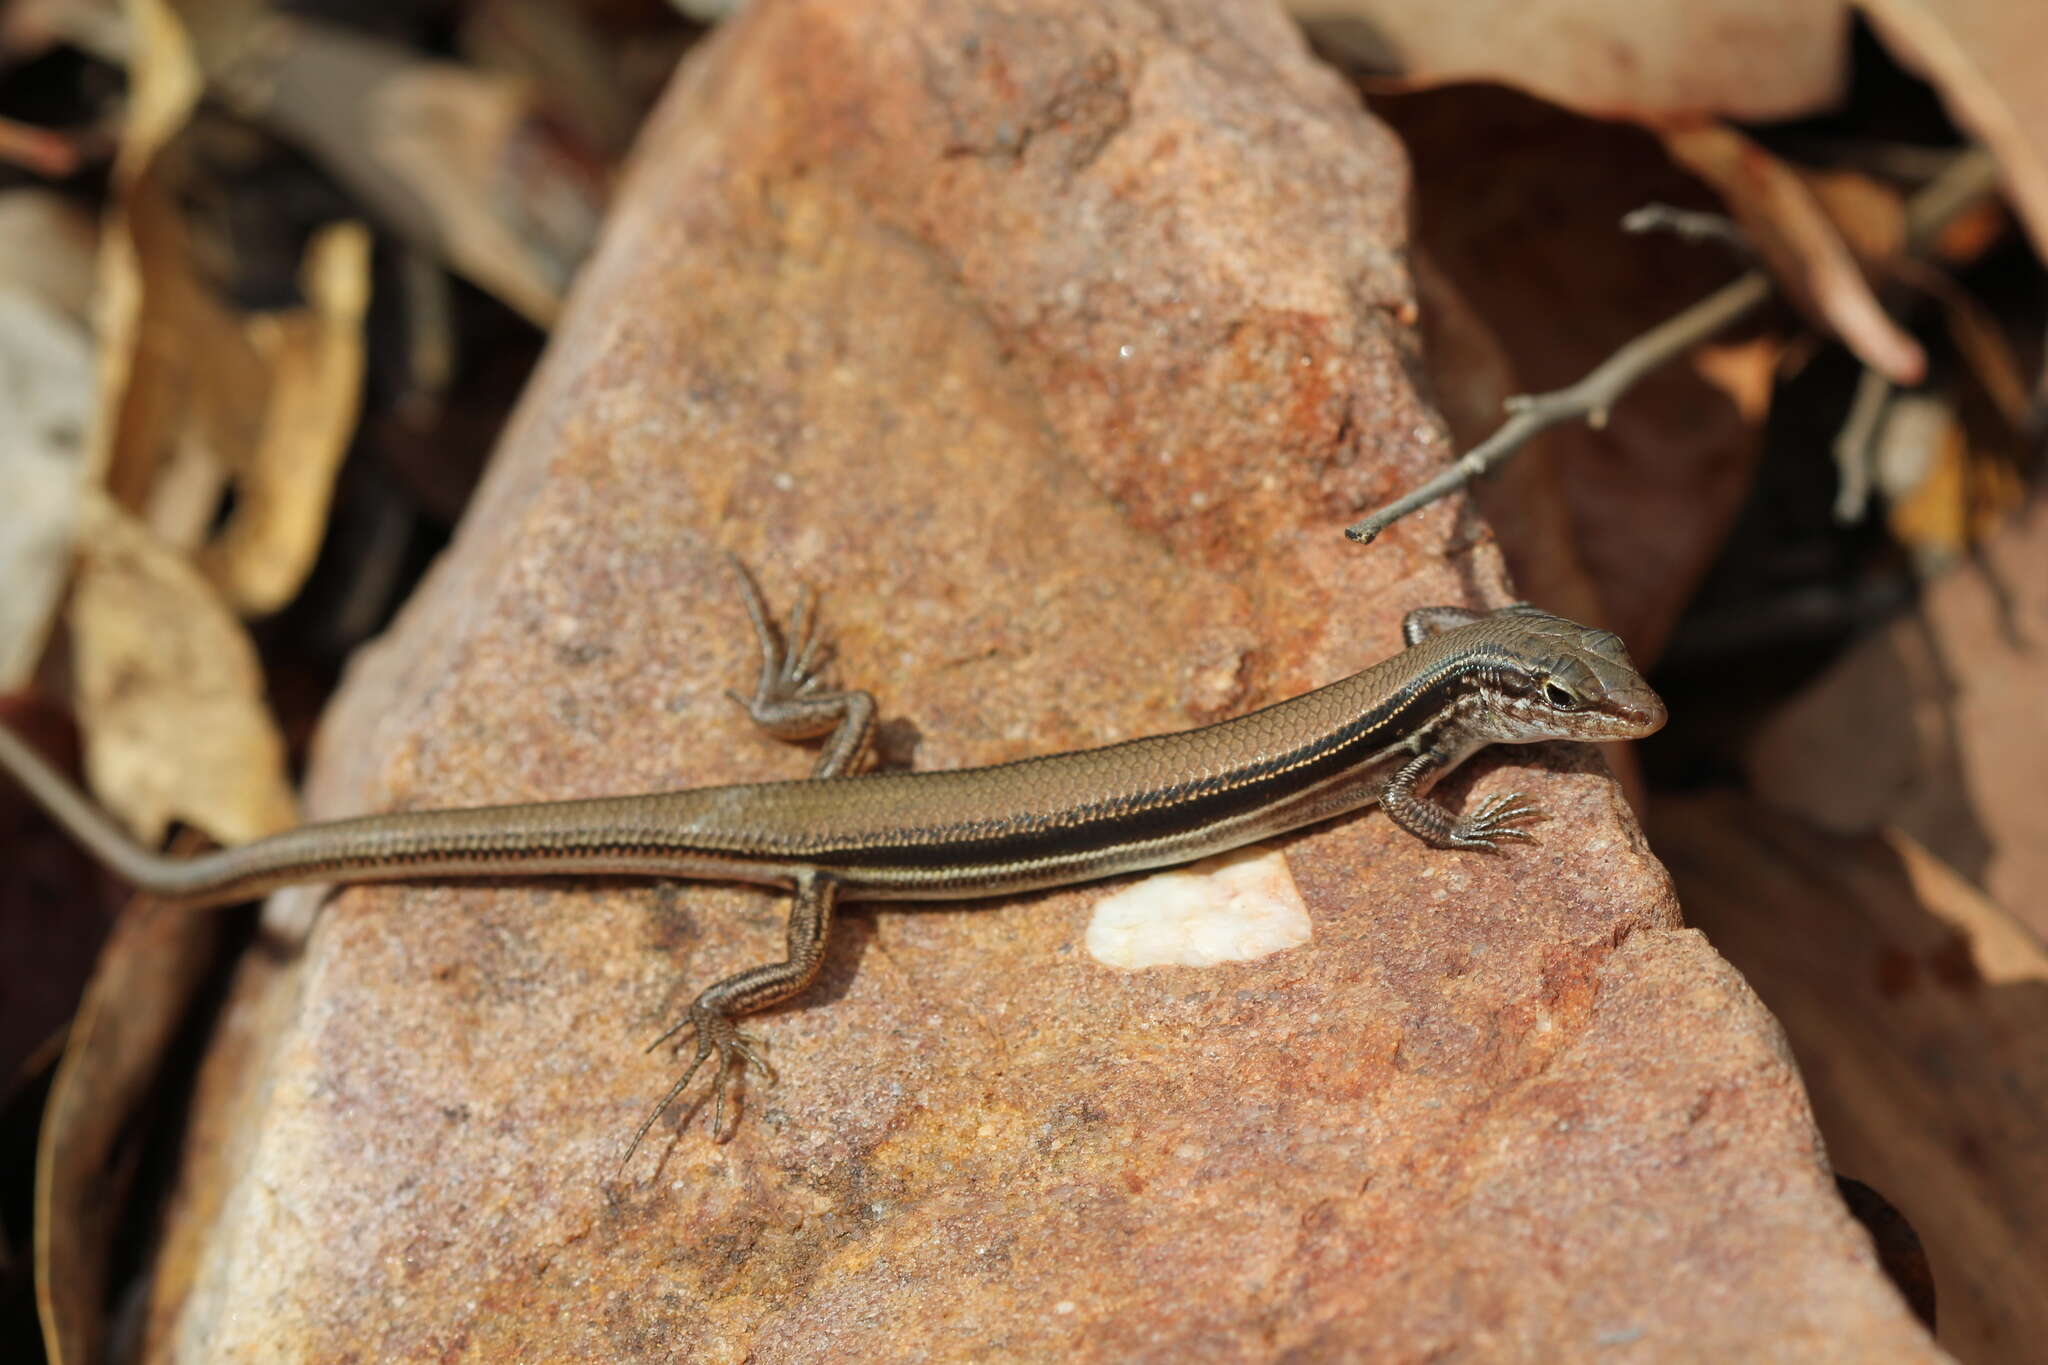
{"x":1944,"y":495}
{"x":86,"y":1156}
{"x":1745,"y":371}
{"x":46,"y":389}
{"x":1917,"y":459}
{"x":183,"y":389}
{"x":1932,"y":725}
{"x":1742,"y":59}
{"x":2002,"y":950}
{"x":1805,"y":250}
{"x":195,"y":393}
{"x":1871,"y":216}
{"x":1985,"y":57}
{"x":452,"y":158}
{"x":164,"y":85}
{"x":170,"y":696}
{"x":557,"y":49}
{"x":284,"y":483}
{"x":175,"y":369}
{"x":464,"y":142}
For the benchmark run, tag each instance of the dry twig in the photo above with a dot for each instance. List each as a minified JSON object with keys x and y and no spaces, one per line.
{"x":1690,"y":225}
{"x":1590,"y":398}
{"x":1967,"y":179}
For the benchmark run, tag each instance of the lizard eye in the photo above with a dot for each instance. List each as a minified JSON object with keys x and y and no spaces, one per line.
{"x":1559,"y":697}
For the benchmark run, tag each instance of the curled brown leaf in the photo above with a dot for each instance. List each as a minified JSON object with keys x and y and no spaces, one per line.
{"x":1805,"y":249}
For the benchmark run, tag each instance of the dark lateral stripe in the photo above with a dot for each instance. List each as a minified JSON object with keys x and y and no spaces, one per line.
{"x":1176,"y":809}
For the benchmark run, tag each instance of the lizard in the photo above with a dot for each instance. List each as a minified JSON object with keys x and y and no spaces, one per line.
{"x":1465,"y":679}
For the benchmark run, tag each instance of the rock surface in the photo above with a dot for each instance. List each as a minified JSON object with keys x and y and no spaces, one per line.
{"x":1055,"y":342}
{"x":1916,"y":1008}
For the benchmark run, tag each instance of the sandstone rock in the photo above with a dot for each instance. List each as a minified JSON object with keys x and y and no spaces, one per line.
{"x":1055,"y":342}
{"x":1916,"y":1007}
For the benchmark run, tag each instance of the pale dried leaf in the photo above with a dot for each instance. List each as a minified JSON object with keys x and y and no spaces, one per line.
{"x":1943,"y":494}
{"x":1805,"y":250}
{"x":164,"y":84}
{"x":452,"y":158}
{"x":1743,"y":59}
{"x":47,"y":247}
{"x":558,"y":50}
{"x":174,"y":366}
{"x":163,"y":89}
{"x":186,"y":390}
{"x":46,"y":389}
{"x":170,"y":696}
{"x":450,"y":133}
{"x":1985,"y":56}
{"x":2002,"y":949}
{"x":284,"y":482}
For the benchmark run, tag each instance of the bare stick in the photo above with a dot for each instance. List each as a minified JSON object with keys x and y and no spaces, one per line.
{"x":1968,"y":178}
{"x":1689,"y":225}
{"x":1590,"y":398}
{"x":1961,"y":183}
{"x":1853,"y":444}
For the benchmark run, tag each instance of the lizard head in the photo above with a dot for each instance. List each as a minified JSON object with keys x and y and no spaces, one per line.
{"x":1556,"y":679}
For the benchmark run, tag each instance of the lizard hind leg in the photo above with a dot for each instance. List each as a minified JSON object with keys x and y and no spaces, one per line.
{"x":791,"y":699}
{"x":710,"y":1016}
{"x":735,"y":1051}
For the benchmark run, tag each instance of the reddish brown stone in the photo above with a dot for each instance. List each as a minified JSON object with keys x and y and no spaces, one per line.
{"x":1056,"y":342}
{"x":1915,"y":1007}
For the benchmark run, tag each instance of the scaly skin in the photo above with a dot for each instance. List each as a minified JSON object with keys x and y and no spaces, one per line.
{"x":1466,"y":680}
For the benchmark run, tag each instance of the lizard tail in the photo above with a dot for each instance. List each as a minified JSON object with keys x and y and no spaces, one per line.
{"x":87,"y":823}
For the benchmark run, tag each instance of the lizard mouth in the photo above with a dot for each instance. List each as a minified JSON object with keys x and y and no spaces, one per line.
{"x":1641,"y":712}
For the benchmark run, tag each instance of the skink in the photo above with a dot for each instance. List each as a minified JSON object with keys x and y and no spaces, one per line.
{"x":1466,"y":679}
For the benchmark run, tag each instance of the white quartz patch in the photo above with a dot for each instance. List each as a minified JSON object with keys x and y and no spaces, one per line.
{"x":1231,"y":908}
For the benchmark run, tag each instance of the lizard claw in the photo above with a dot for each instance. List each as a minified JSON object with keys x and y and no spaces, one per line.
{"x":735,"y":1052}
{"x":793,"y":698}
{"x":793,"y":663}
{"x":1502,"y":817}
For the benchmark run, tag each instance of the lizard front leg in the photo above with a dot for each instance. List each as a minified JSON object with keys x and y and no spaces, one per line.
{"x":1500,"y":818}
